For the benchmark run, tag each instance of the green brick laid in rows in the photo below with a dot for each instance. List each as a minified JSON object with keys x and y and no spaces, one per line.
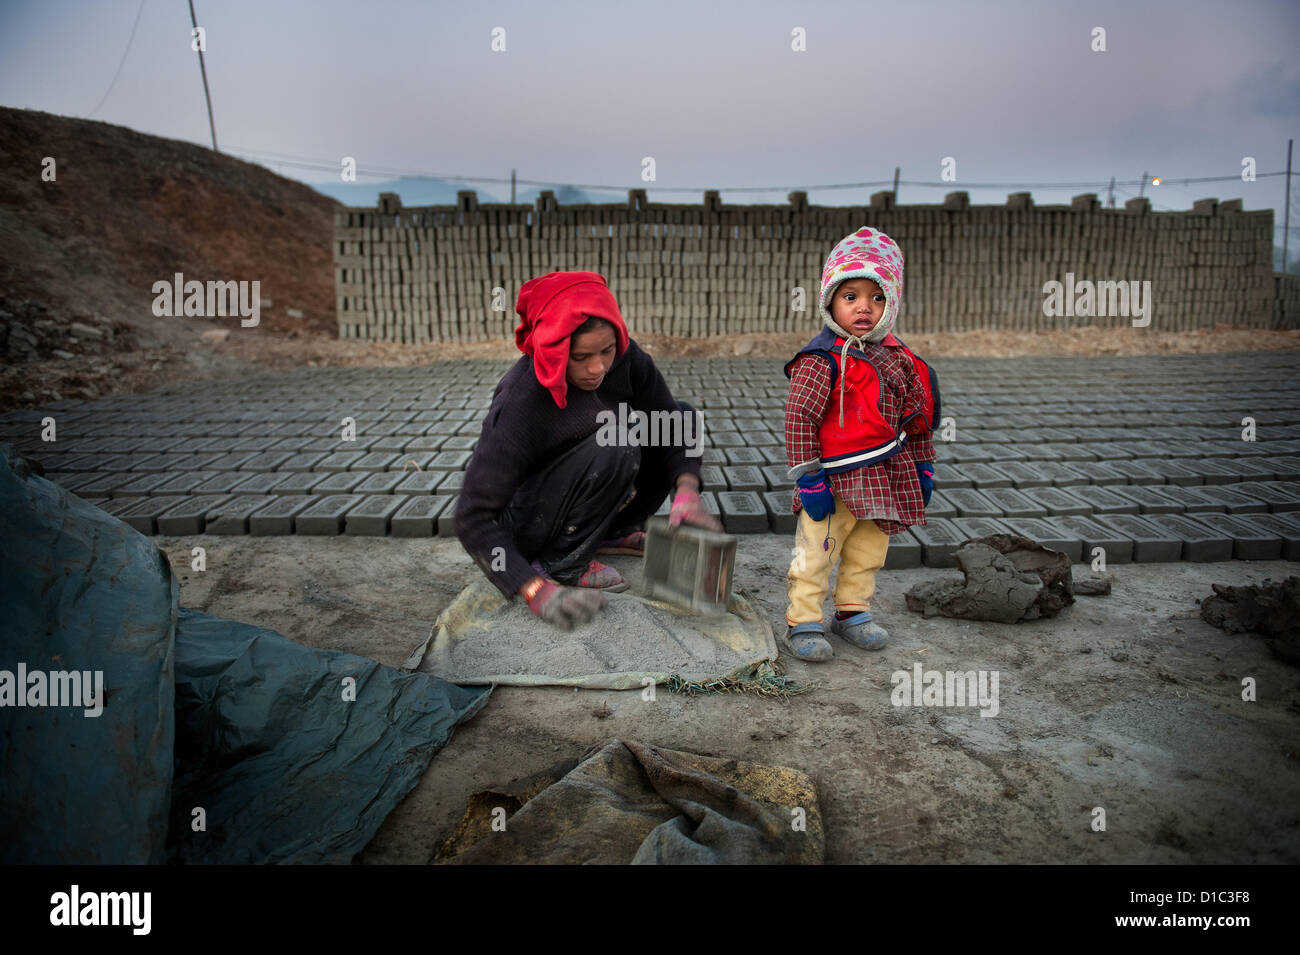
{"x":1013,"y":503}
{"x":190,"y":515}
{"x":1151,"y":543}
{"x":418,"y":516}
{"x":745,"y":477}
{"x":985,"y":476}
{"x":325,"y":517}
{"x":381,"y":482}
{"x":1223,"y":498}
{"x":277,"y":518}
{"x":1279,"y":496}
{"x":742,"y":512}
{"x":1199,"y":541}
{"x":340,"y":482}
{"x":143,"y":513}
{"x":141,"y":486}
{"x":780,"y":516}
{"x":1286,"y":527}
{"x":1154,"y":500}
{"x":231,"y":516}
{"x":1105,"y":501}
{"x":1251,"y":539}
{"x":1050,"y":533}
{"x":972,"y":503}
{"x":260,"y":482}
{"x":904,"y":552}
{"x":369,"y":516}
{"x":447,"y":519}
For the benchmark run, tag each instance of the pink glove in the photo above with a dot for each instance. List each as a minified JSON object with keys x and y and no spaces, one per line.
{"x":689,"y":509}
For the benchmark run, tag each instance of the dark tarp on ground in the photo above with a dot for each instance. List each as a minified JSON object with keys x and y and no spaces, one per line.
{"x":265,"y":742}
{"x":284,"y":768}
{"x":633,"y":803}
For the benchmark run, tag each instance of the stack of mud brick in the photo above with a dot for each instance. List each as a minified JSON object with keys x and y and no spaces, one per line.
{"x":453,"y":273}
{"x":1286,"y":300}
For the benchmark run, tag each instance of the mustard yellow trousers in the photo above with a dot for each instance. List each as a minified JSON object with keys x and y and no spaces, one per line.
{"x":860,"y":548}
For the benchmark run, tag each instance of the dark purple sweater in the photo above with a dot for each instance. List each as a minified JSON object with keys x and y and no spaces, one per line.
{"x":524,"y":430}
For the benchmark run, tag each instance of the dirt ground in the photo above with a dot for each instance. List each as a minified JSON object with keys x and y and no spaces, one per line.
{"x":1128,"y":702}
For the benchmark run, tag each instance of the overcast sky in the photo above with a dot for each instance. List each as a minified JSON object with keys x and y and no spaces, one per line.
{"x":714,"y":92}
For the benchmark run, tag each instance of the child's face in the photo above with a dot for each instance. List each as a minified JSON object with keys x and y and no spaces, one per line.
{"x":591,"y":355}
{"x":857,"y":305}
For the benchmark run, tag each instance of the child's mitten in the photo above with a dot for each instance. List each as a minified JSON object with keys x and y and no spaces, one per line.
{"x":925,"y":474}
{"x":815,"y":495}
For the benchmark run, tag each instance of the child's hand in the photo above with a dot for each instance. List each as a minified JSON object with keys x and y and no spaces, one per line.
{"x":815,"y":495}
{"x":925,"y":474}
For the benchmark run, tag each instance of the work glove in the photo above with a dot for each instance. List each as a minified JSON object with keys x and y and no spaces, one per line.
{"x":815,"y":495}
{"x":687,"y":508}
{"x":925,"y":474}
{"x":565,"y":607}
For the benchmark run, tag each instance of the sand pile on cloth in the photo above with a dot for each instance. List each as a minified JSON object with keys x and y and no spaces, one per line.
{"x":629,"y":802}
{"x":482,"y":638}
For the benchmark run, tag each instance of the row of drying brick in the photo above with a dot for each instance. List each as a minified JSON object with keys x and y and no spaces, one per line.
{"x":1207,"y":536}
{"x":1122,"y":538}
{"x":1247,"y":497}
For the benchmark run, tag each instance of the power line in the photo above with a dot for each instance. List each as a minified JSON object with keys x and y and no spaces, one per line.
{"x":384,"y":171}
{"x":121,"y":63}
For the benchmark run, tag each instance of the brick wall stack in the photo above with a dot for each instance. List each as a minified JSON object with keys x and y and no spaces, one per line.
{"x":452,"y":273}
{"x":1286,"y":300}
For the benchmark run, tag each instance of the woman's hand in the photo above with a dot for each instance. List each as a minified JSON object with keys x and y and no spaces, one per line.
{"x":560,"y":606}
{"x":688,"y":508}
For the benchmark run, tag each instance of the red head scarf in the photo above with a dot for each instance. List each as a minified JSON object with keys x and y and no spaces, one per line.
{"x":551,"y":307}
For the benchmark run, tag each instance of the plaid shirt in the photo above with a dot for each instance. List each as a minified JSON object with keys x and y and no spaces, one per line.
{"x":889,"y":492}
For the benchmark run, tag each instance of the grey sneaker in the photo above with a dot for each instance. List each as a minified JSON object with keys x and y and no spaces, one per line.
{"x":861,"y":631}
{"x":808,"y":642}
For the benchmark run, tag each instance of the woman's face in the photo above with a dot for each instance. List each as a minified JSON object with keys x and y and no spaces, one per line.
{"x":590,"y":356}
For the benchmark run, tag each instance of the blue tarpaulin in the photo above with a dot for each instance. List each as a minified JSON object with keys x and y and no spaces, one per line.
{"x":215,"y":741}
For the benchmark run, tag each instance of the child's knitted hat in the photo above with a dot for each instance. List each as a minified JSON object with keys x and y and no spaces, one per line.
{"x":866,"y":254}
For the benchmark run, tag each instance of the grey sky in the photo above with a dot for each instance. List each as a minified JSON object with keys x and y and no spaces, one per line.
{"x":712,"y":91}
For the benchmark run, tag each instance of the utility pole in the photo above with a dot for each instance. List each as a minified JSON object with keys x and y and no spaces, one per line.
{"x":1286,"y":216}
{"x":512,"y":187}
{"x":1110,"y":194}
{"x":895,"y":185}
{"x":204,"y":70}
{"x":1143,"y":188}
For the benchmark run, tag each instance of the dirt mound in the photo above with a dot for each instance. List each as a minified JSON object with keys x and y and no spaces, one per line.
{"x":127,"y":210}
{"x":1271,"y":610}
{"x":1006,"y":578}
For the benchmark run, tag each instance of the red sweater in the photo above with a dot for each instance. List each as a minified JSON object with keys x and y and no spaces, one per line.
{"x":889,"y":492}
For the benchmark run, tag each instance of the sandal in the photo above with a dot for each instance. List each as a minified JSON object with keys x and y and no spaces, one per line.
{"x":633,"y":543}
{"x":603,"y":577}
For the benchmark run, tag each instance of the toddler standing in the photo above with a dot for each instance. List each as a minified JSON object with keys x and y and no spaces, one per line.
{"x":858,"y":442}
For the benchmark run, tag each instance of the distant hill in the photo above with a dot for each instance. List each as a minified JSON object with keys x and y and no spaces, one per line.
{"x":423,"y":191}
{"x":128,"y":209}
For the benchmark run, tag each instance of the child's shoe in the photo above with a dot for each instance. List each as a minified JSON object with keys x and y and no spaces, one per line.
{"x":808,"y":642}
{"x":860,"y":630}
